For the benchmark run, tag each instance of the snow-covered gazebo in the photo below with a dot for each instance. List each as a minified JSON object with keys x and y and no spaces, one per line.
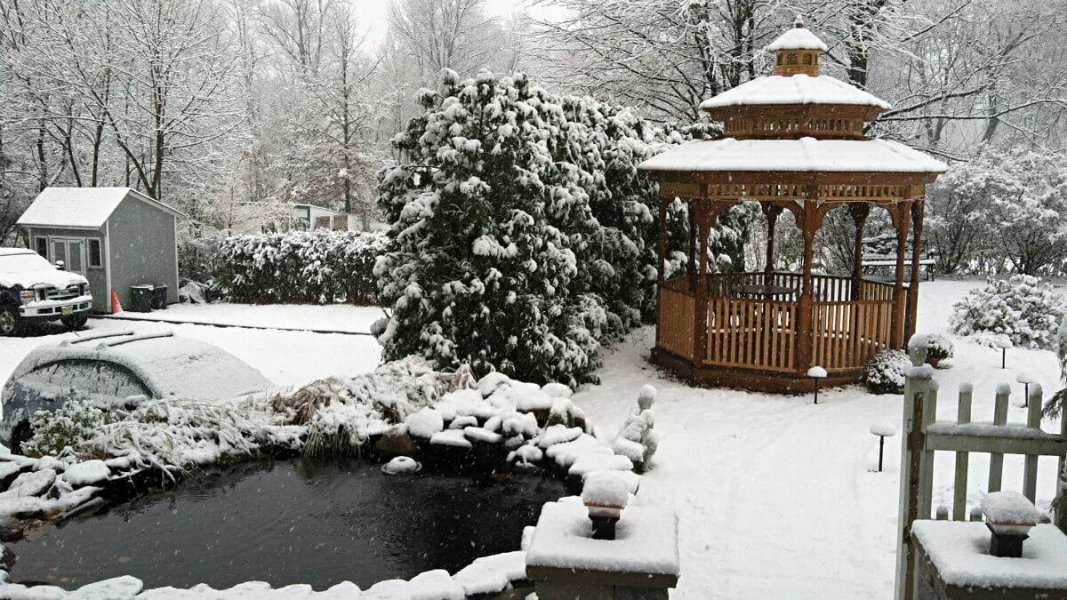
{"x":793,"y":141}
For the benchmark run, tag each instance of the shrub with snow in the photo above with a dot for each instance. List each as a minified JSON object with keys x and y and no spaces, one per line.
{"x":73,"y":424}
{"x":1024,"y":308}
{"x":314,"y":267}
{"x":885,"y":372}
{"x":522,"y":234}
{"x":939,"y":347}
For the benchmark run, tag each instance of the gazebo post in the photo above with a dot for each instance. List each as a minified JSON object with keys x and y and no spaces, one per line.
{"x":661,"y":243}
{"x":691,"y":266}
{"x":859,"y":212}
{"x":804,"y":319}
{"x":771,"y":212}
{"x":901,"y":216}
{"x":704,"y":220}
{"x":917,"y":210}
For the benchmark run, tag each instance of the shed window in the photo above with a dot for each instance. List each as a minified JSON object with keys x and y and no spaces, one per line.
{"x":41,"y":244}
{"x":96,"y":257}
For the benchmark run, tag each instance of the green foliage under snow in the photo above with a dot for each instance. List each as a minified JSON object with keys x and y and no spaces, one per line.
{"x":523,"y":237}
{"x":885,"y":372}
{"x":1024,"y":308}
{"x":73,"y":424}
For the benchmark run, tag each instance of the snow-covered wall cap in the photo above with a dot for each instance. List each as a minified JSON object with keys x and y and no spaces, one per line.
{"x":798,"y":38}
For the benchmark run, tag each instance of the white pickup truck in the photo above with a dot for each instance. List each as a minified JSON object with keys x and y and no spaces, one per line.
{"x":32,"y":290}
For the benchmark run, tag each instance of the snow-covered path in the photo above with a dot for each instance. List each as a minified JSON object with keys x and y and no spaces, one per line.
{"x":777,"y":495}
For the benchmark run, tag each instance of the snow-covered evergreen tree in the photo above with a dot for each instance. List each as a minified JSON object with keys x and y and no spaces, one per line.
{"x":476,"y":272}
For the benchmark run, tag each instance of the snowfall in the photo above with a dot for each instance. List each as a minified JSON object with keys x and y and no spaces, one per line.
{"x":775,"y":496}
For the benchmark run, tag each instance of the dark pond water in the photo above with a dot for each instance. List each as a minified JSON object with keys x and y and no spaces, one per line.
{"x":289,"y":522}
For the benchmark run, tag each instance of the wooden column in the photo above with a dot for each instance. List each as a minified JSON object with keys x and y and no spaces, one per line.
{"x":805,"y":305}
{"x":860,"y":212}
{"x":691,"y":265}
{"x":901,"y":217}
{"x":661,"y":243}
{"x":917,"y":210}
{"x":771,"y":212}
{"x":704,"y":219}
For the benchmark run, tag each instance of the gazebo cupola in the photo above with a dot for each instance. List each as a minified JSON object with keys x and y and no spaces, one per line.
{"x":793,"y":140}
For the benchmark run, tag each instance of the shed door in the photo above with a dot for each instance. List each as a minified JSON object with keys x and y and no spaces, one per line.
{"x":72,"y":252}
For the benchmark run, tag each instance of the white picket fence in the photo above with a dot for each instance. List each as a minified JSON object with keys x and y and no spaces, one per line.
{"x":924,"y":435}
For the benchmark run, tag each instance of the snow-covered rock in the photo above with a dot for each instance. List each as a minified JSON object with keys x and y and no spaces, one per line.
{"x":86,"y":473}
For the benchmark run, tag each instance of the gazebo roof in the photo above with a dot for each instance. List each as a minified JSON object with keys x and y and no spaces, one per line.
{"x":802,"y":155}
{"x":793,"y":89}
{"x":797,"y":38}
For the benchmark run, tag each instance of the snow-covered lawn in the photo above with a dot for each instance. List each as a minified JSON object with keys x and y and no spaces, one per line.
{"x":776,"y":495}
{"x":331,"y":317}
{"x":284,"y":357}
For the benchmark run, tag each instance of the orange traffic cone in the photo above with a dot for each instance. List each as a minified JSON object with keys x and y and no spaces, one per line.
{"x":115,"y":306}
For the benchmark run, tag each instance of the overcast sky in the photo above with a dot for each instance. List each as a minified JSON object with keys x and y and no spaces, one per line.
{"x":374,"y":21}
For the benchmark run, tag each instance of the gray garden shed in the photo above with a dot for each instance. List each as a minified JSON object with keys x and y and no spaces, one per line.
{"x":115,"y":237}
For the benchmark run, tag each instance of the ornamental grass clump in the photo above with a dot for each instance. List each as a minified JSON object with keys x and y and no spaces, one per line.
{"x":71,"y":426}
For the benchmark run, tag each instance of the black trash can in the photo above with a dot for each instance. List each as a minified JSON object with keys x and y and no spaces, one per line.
{"x":159,"y":297}
{"x":141,"y":298}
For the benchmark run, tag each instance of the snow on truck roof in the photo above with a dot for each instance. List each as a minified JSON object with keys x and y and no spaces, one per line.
{"x":84,"y":207}
{"x":171,"y":366}
{"x":804,"y":155}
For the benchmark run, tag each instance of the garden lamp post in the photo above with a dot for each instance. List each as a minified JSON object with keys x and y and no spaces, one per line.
{"x":1003,"y":342}
{"x":817,"y":373}
{"x":882,"y":430}
{"x":1026,"y":379}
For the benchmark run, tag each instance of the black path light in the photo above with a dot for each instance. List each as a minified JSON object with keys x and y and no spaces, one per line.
{"x":1009,"y":516}
{"x":1026,"y":379}
{"x":882,"y":430}
{"x":817,"y":373}
{"x":605,"y":495}
{"x":1003,"y":342}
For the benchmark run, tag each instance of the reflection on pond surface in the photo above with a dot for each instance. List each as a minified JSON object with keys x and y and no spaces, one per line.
{"x":289,"y":522}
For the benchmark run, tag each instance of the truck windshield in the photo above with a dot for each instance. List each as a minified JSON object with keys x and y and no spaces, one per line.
{"x":18,"y":263}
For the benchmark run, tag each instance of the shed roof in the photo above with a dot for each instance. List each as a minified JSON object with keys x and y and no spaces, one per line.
{"x":794,"y":89}
{"x":82,"y":207}
{"x":803,"y":155}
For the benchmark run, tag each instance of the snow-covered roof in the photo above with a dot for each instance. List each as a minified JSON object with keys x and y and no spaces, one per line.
{"x":794,"y":89}
{"x":79,"y":208}
{"x":797,"y":38}
{"x":806,"y":154}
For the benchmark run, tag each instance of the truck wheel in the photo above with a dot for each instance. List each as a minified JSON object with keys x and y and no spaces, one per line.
{"x":74,"y":322}
{"x":9,"y":321}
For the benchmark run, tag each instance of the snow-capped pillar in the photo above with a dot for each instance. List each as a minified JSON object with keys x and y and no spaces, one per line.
{"x":917,"y":210}
{"x":565,"y":562}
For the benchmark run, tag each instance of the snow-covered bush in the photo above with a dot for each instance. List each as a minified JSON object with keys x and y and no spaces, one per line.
{"x":939,"y":347}
{"x":317,"y":267}
{"x":884,"y":373}
{"x":72,"y":425}
{"x":1024,"y":308}
{"x":522,"y":234}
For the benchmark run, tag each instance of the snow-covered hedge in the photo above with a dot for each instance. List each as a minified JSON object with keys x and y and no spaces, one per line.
{"x":885,"y":372}
{"x":315,"y":267}
{"x":1024,"y":308}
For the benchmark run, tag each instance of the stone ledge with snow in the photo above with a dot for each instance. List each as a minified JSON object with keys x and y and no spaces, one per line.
{"x":960,"y":552}
{"x":646,"y":542}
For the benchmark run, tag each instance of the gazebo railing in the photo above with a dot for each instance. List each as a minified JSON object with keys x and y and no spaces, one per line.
{"x":752,"y":321}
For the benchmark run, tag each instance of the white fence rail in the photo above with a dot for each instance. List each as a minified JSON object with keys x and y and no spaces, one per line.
{"x":924,"y":435}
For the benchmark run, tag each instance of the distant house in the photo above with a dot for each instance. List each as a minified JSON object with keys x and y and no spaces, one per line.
{"x":115,"y":237}
{"x":257,"y":217}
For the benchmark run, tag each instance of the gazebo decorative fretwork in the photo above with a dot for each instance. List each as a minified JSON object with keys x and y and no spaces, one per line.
{"x":794,"y":140}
